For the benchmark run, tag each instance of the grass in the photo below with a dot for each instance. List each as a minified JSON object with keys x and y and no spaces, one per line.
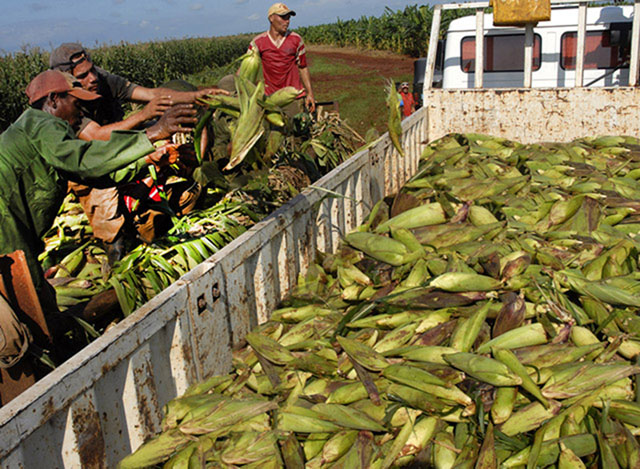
{"x":360,"y":93}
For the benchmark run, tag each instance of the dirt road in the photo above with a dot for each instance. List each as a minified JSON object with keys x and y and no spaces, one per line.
{"x":356,"y":79}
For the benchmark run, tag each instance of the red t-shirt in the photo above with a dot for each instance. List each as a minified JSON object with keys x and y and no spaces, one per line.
{"x":407,"y":103}
{"x":280,"y":64}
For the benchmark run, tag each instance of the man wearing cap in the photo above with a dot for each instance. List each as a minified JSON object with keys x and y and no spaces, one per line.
{"x":408,"y":103}
{"x":100,"y":117}
{"x":39,"y":153}
{"x":284,"y":59}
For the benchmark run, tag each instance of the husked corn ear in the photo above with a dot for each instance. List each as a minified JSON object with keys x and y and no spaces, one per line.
{"x":483,"y":369}
{"x":422,"y":215}
{"x":464,"y":282}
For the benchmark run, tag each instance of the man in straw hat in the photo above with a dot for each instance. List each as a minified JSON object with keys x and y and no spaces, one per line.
{"x":39,"y":154}
{"x":284,"y":59}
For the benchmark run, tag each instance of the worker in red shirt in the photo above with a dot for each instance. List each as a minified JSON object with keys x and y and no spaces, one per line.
{"x":408,"y":103}
{"x":284,"y":61}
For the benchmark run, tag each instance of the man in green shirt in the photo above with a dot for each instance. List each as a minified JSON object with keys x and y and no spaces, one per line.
{"x":39,"y":154}
{"x":104,"y":207}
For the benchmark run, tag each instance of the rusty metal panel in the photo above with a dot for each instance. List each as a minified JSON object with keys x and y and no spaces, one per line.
{"x":83,"y":444}
{"x":209,"y":315}
{"x":534,"y":115}
{"x":518,"y":12}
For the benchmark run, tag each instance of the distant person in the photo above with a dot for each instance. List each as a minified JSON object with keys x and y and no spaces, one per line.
{"x":39,"y":154}
{"x":284,"y":59}
{"x":408,"y":102}
{"x":104,"y":207}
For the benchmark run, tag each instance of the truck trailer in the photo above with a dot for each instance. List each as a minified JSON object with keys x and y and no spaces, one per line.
{"x":105,"y":401}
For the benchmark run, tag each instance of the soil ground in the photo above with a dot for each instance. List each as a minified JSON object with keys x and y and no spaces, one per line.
{"x":356,"y":79}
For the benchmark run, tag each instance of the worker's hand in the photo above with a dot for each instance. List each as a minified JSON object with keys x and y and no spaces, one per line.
{"x":310,"y":102}
{"x":175,"y":119}
{"x":166,"y":155}
{"x":156,"y":107}
{"x":211,"y":92}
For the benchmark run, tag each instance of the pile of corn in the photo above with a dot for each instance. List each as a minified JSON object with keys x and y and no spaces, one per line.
{"x":485,"y":317}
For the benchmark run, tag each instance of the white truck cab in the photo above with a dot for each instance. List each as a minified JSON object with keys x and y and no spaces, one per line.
{"x":607,"y":47}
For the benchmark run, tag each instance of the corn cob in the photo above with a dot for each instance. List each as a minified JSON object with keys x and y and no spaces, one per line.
{"x":251,"y":66}
{"x":422,"y":215}
{"x":463,"y":282}
{"x":483,"y":368}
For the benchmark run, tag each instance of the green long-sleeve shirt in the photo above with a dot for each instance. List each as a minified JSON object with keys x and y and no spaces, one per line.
{"x":38,"y":154}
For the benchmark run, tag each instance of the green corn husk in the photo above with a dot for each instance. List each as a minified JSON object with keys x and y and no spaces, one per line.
{"x":394,"y":121}
{"x":586,"y":378}
{"x":347,"y":417}
{"x":379,"y":247}
{"x":463,"y":282}
{"x":422,"y":215}
{"x":156,"y":450}
{"x":483,"y":368}
{"x":467,"y":332}
{"x":503,"y":404}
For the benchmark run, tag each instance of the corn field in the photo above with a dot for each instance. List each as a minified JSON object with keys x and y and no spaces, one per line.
{"x":403,"y":31}
{"x":147,"y":64}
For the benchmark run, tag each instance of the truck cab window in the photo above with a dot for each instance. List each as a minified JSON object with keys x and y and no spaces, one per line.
{"x":599,"y":52}
{"x":502,"y":53}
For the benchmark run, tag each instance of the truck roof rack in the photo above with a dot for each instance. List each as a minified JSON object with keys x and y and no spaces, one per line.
{"x":528,"y":42}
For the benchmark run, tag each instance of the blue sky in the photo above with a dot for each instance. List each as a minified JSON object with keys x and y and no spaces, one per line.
{"x":46,"y":24}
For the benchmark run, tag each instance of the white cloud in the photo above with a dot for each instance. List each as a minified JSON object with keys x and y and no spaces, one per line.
{"x":253,"y":17}
{"x":196,"y":6}
{"x":144,"y":23}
